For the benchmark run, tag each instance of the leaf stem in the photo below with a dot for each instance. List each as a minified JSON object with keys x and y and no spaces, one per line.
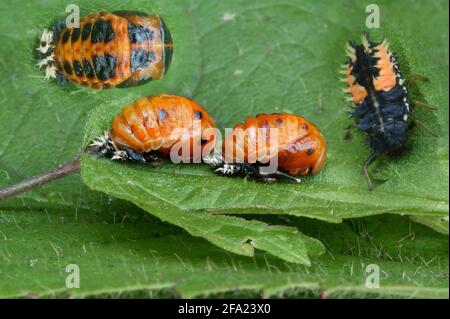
{"x":69,"y":168}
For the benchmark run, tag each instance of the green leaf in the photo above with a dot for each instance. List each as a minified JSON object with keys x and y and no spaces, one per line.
{"x":237,"y":58}
{"x":42,"y":124}
{"x":439,"y":224}
{"x":201,"y":34}
{"x":293,"y":68}
{"x":234,"y":234}
{"x":135,"y":255}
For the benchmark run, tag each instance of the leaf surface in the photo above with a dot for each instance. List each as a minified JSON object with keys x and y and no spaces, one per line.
{"x":237,"y":58}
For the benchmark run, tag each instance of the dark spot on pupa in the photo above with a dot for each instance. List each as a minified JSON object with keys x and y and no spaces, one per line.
{"x":102,"y":31}
{"x":75,"y":34}
{"x":88,"y":69}
{"x":104,"y":66}
{"x":65,"y":37}
{"x":309,"y":151}
{"x":140,"y":59}
{"x":68,"y":68}
{"x":162,"y":115}
{"x":78,"y":68}
{"x":138,"y":34}
{"x":198,"y":115}
{"x":304,"y":126}
{"x":86,"y":31}
{"x":278,"y":121}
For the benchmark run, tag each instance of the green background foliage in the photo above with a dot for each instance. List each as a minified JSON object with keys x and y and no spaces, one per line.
{"x":237,"y":58}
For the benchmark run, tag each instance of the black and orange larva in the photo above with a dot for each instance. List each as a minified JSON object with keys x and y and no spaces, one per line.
{"x":116,"y":49}
{"x":144,"y":131}
{"x":380,"y":97}
{"x":299,"y":146}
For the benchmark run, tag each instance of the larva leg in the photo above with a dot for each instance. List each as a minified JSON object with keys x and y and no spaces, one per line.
{"x":425,"y":127}
{"x":369,"y":161}
{"x":414,"y":78}
{"x":410,"y":82}
{"x":423,"y":104}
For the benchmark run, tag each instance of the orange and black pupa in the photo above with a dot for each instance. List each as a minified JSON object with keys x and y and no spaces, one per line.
{"x":107,"y":50}
{"x":146,"y":131}
{"x":296,"y":143}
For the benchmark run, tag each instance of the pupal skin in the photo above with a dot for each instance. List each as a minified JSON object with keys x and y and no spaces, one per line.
{"x":118,"y":49}
{"x":145,"y":131}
